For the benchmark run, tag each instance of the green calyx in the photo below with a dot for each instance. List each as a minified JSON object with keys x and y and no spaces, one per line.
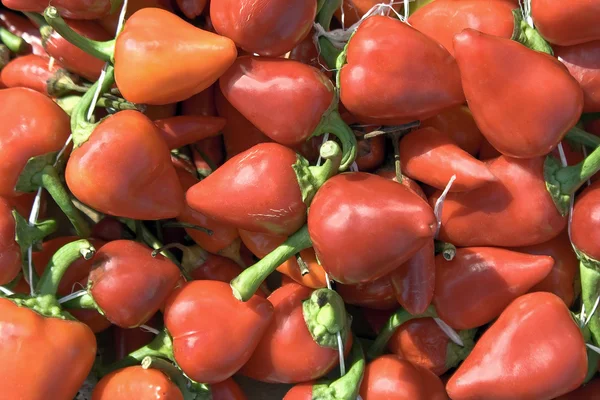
{"x":394,"y":322}
{"x":310,"y":179}
{"x":190,"y":389}
{"x":247,"y":283}
{"x":589,"y":272}
{"x":347,"y":386}
{"x":101,"y":50}
{"x":528,"y":36}
{"x":45,"y":305}
{"x":455,"y":353}
{"x":325,"y":316}
{"x":553,"y":185}
{"x":62,"y":83}
{"x":40,"y":172}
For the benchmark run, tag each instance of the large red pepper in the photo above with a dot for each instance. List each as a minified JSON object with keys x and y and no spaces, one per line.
{"x":565,"y":26}
{"x":151,"y":35}
{"x":45,"y":350}
{"x":300,"y":343}
{"x":268,"y":28}
{"x":391,"y":378}
{"x":34,"y":72}
{"x":533,"y":351}
{"x":583,"y":62}
{"x":127,"y":175}
{"x":474,"y":288}
{"x":264,"y":189}
{"x":442,"y":20}
{"x":70,"y":56}
{"x":432,"y":157}
{"x":287,"y":100}
{"x":540,"y":114}
{"x":415,"y":77}
{"x":127,"y":284}
{"x":458,"y":122}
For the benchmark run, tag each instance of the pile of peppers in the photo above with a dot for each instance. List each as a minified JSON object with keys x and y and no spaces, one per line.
{"x":299,"y":199}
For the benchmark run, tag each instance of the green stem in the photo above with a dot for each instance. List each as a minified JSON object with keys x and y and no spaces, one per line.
{"x":161,"y":347}
{"x":37,"y":19}
{"x":48,"y":179}
{"x":14,"y":43}
{"x":593,"y":359}
{"x":448,"y":250}
{"x":149,"y":238}
{"x":326,"y":13}
{"x":571,"y":178}
{"x":62,"y":83}
{"x":4,"y":56}
{"x":101,"y":50}
{"x":346,"y":387}
{"x":85,"y":302}
{"x":329,"y":52}
{"x":528,"y":36}
{"x":580,"y":136}
{"x":325,"y":316}
{"x":80,"y":127}
{"x":589,"y":270}
{"x":179,"y":224}
{"x":60,"y":261}
{"x":185,"y":385}
{"x":396,"y":320}
{"x":245,"y":284}
{"x":68,"y":103}
{"x":332,"y":122}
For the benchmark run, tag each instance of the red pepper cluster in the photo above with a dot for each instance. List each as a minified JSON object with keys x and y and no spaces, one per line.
{"x":299,"y":199}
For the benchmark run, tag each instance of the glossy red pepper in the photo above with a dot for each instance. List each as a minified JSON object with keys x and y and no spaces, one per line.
{"x":564,"y":273}
{"x":22,"y":27}
{"x":422,"y":342}
{"x":583,"y":63}
{"x":74,"y":279}
{"x":287,"y":100}
{"x":418,"y":78}
{"x":398,"y":221}
{"x":546,"y":357}
{"x":566,"y":26}
{"x":377,"y":294}
{"x":478,"y":284}
{"x":540,"y":114}
{"x":458,"y":122}
{"x":432,"y":157}
{"x":187,"y":129}
{"x":392,"y":378}
{"x":70,"y":56}
{"x":34,"y":72}
{"x":260,"y":190}
{"x":289,"y":351}
{"x":268,"y":28}
{"x":136,"y":382}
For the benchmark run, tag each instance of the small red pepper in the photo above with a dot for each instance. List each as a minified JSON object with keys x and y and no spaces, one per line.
{"x":566,"y":26}
{"x":540,"y":115}
{"x":533,"y":351}
{"x":458,"y":122}
{"x":268,"y":28}
{"x":300,"y":343}
{"x":10,"y":252}
{"x":202,"y":104}
{"x":187,"y":129}
{"x":227,"y":390}
{"x":378,"y":294}
{"x":370,"y":153}
{"x":583,"y":63}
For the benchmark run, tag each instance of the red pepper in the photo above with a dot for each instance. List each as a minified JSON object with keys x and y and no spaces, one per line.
{"x":23,"y":28}
{"x":399,"y":222}
{"x":227,"y":390}
{"x":422,"y":342}
{"x":583,"y":62}
{"x":161,"y":112}
{"x":540,"y":115}
{"x":10,"y":252}
{"x":147,"y":37}
{"x":45,"y":350}
{"x":432,"y":157}
{"x":108,"y":229}
{"x":127,"y":175}
{"x":533,"y":351}
{"x":186,"y":129}
{"x":33,"y":72}
{"x":474,"y":288}
{"x":391,"y":378}
{"x":74,"y":279}
{"x":307,"y":53}
{"x":70,"y":56}
{"x":564,"y":273}
{"x":418,"y":77}
{"x":378,"y":294}
{"x":268,"y":28}
{"x":202,"y":104}
{"x":458,"y":122}
{"x":371,"y":153}
{"x":264,"y":189}
{"x":300,"y":343}
{"x":136,"y":382}
{"x":355,"y":9}
{"x":566,"y":26}
{"x":192,"y":8}
{"x":287,"y":100}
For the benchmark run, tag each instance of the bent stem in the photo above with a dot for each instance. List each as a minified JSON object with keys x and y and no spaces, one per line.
{"x":580,"y":136}
{"x":68,"y":103}
{"x":325,"y":316}
{"x":101,"y":50}
{"x":60,"y":262}
{"x":396,"y":320}
{"x":332,"y":123}
{"x":161,"y":347}
{"x":246,"y":284}
{"x":311,"y":178}
{"x":347,"y":386}
{"x":189,"y":389}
